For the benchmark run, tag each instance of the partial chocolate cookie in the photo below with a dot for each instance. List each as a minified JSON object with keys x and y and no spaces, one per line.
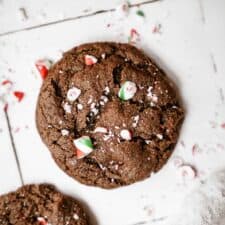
{"x":108,"y":114}
{"x":40,"y":205}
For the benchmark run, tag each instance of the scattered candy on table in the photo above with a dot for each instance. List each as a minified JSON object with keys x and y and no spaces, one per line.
{"x":43,"y":66}
{"x":19,"y":95}
{"x":83,"y":146}
{"x":127,"y":90}
{"x":134,"y":36}
{"x":187,"y":172}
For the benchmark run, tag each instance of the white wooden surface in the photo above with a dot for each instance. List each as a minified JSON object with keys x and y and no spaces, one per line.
{"x":190,"y":48}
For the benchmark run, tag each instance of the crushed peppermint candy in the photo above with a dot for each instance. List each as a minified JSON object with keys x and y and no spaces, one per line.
{"x":90,"y":60}
{"x":107,"y":136}
{"x":43,"y":66}
{"x":187,"y":172}
{"x":157,"y":29}
{"x":159,"y":136}
{"x":103,"y":55}
{"x":19,"y":95}
{"x":75,"y":216}
{"x":107,"y":90}
{"x":127,"y":90}
{"x":67,"y":107}
{"x":134,"y":36}
{"x":152,"y":96}
{"x":65,"y":132}
{"x":126,"y":134}
{"x":73,"y":93}
{"x":100,"y":130}
{"x":42,"y":221}
{"x":79,"y":106}
{"x":103,"y":100}
{"x":83,"y":146}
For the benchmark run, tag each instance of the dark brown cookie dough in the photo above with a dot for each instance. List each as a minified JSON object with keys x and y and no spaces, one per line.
{"x":40,"y":205}
{"x":108,"y":114}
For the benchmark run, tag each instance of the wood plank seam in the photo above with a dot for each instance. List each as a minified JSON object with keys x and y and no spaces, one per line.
{"x":75,"y":18}
{"x":14,"y":147}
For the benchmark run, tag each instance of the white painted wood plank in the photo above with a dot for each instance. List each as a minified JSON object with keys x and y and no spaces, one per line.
{"x":9,"y":176}
{"x":181,"y":49}
{"x":20,"y":14}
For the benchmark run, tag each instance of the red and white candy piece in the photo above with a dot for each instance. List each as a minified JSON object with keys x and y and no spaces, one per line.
{"x":43,"y":66}
{"x":83,"y":146}
{"x":42,"y":221}
{"x":187,"y":172}
{"x":90,"y":60}
{"x":100,"y":130}
{"x":73,"y":93}
{"x":127,"y":90}
{"x":126,"y":134}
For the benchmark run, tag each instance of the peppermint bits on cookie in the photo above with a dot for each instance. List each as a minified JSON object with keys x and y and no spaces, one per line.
{"x":73,"y":93}
{"x":42,"y":221}
{"x":126,"y":134}
{"x":83,"y":146}
{"x":127,"y":90}
{"x":90,"y":60}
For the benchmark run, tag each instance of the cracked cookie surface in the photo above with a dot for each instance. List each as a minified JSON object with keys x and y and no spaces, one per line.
{"x":108,"y":114}
{"x":40,"y":205}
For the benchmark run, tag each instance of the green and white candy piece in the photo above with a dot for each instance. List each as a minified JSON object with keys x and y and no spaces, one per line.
{"x":127,"y":90}
{"x":83,"y":146}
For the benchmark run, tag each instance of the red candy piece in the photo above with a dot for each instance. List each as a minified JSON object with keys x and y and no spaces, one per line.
{"x":43,"y":67}
{"x":80,"y":154}
{"x":19,"y":95}
{"x":6,"y":82}
{"x":90,"y":60}
{"x":133,"y":32}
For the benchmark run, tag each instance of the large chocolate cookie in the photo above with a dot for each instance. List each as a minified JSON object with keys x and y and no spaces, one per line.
{"x":40,"y":205}
{"x":108,"y":114}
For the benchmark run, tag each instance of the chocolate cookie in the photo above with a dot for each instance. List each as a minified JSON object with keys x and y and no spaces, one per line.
{"x":40,"y":205}
{"x":108,"y":114}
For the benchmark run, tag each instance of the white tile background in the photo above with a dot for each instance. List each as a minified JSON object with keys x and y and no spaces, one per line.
{"x":190,"y":48}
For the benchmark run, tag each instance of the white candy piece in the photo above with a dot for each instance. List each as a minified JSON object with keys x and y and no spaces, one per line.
{"x":64,"y":132}
{"x":159,"y":136}
{"x":76,"y":217}
{"x":187,"y":172}
{"x":79,"y":106}
{"x":100,"y":130}
{"x":73,"y":93}
{"x":126,"y":134}
{"x":67,"y":108}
